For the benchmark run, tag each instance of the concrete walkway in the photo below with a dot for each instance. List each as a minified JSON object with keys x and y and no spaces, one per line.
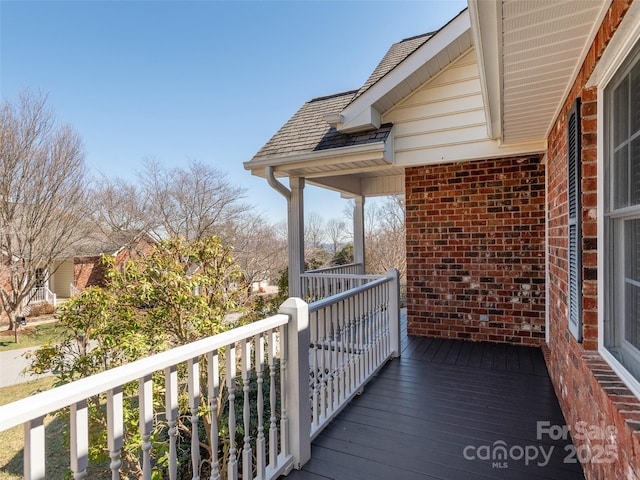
{"x":13,"y":362}
{"x":12,"y":365}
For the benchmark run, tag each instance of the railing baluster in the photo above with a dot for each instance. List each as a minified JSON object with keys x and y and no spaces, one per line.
{"x":193,"y":367}
{"x":145,"y":394}
{"x":351,"y":327}
{"x":232,"y":466}
{"x":368,"y":316}
{"x":335,"y":342}
{"x":214,"y":390}
{"x":79,"y":439}
{"x":171,"y":410}
{"x":284,"y":412}
{"x":344,"y":352}
{"x":273,"y":428}
{"x":115,"y":430}
{"x":261,"y":464}
{"x":322,"y":377}
{"x":315,"y":371}
{"x":34,"y":452}
{"x":247,"y":467}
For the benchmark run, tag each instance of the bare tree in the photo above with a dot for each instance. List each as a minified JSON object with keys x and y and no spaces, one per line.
{"x":259,"y":248}
{"x":384,"y":234}
{"x":120,"y":210}
{"x":385,"y":238}
{"x":336,"y":231}
{"x":191,"y":203}
{"x":316,"y":255}
{"x":41,"y":197}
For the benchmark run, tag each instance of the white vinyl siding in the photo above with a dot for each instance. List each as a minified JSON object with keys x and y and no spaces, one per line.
{"x":444,"y":120}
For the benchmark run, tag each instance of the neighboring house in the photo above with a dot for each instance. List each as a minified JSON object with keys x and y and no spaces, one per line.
{"x":88,"y":270}
{"x":84,"y":268}
{"x":514,"y":134}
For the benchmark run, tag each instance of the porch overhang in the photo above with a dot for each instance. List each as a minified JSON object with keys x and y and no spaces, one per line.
{"x":529,"y":54}
{"x":350,"y":170}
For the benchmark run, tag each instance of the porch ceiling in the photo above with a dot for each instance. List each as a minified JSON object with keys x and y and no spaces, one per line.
{"x":529,"y":54}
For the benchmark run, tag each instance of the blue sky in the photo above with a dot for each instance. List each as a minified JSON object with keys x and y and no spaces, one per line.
{"x":205,"y":80}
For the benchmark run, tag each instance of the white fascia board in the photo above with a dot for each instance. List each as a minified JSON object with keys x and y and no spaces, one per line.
{"x":361,"y":114}
{"x":374,"y":151}
{"x":486,"y":29}
{"x":587,"y":46}
{"x":623,"y":40}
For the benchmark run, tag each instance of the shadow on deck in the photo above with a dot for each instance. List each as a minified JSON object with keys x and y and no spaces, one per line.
{"x":439,"y":410}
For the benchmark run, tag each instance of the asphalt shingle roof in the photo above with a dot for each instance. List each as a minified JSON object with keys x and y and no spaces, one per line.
{"x":396,"y":54}
{"x":307,"y":130}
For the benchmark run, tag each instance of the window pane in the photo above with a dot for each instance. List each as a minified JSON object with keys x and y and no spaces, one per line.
{"x":635,"y":99}
{"x":621,"y":112}
{"x":634,"y":177}
{"x":632,"y":281}
{"x":620,"y":185}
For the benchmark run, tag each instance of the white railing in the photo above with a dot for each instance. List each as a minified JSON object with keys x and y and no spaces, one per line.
{"x":258,"y":348}
{"x":316,"y":286}
{"x":307,"y":363}
{"x":349,"y":268}
{"x":73,"y":290}
{"x":352,"y":335}
{"x":38,"y":295}
{"x":41,"y":295}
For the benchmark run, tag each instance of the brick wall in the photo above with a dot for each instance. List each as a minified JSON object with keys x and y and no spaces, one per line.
{"x":588,"y":389}
{"x":87,"y":272}
{"x":475,"y":250}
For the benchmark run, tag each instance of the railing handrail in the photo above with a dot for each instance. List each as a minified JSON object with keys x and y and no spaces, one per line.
{"x":41,"y":404}
{"x":333,"y":267}
{"x":342,"y":275}
{"x":325,"y":302}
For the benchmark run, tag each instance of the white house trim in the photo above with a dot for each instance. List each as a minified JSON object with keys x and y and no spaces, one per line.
{"x":617,"y":51}
{"x":488,"y":49}
{"x":362,"y":114}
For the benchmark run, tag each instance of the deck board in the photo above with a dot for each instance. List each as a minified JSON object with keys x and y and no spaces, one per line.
{"x":419,"y":413}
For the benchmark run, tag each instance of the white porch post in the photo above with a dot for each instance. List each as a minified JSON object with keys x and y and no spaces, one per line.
{"x":296,"y":235}
{"x":298,"y":408}
{"x":358,"y":232}
{"x":394,"y":312}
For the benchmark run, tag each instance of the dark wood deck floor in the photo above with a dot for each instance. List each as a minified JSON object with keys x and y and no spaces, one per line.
{"x":438,"y":410}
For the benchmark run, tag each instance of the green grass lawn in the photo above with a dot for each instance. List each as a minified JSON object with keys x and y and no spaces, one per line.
{"x":30,"y":336}
{"x":12,"y":440}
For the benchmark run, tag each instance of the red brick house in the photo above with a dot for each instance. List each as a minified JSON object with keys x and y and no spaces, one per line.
{"x":514,"y":134}
{"x":87,"y":267}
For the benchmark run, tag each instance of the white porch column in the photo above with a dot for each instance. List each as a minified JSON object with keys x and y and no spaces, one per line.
{"x":296,"y":235}
{"x":358,"y":232}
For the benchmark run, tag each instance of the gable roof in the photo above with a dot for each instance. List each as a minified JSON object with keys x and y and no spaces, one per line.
{"x":394,"y":56}
{"x":314,"y":144}
{"x":526,"y":56}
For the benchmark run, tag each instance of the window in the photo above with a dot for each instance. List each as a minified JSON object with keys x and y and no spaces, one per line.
{"x":622,"y":214}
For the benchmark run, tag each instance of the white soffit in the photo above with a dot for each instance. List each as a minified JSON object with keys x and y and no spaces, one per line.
{"x":534,"y":63}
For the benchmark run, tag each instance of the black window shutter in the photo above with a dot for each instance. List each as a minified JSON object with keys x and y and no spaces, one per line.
{"x":575,"y":220}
